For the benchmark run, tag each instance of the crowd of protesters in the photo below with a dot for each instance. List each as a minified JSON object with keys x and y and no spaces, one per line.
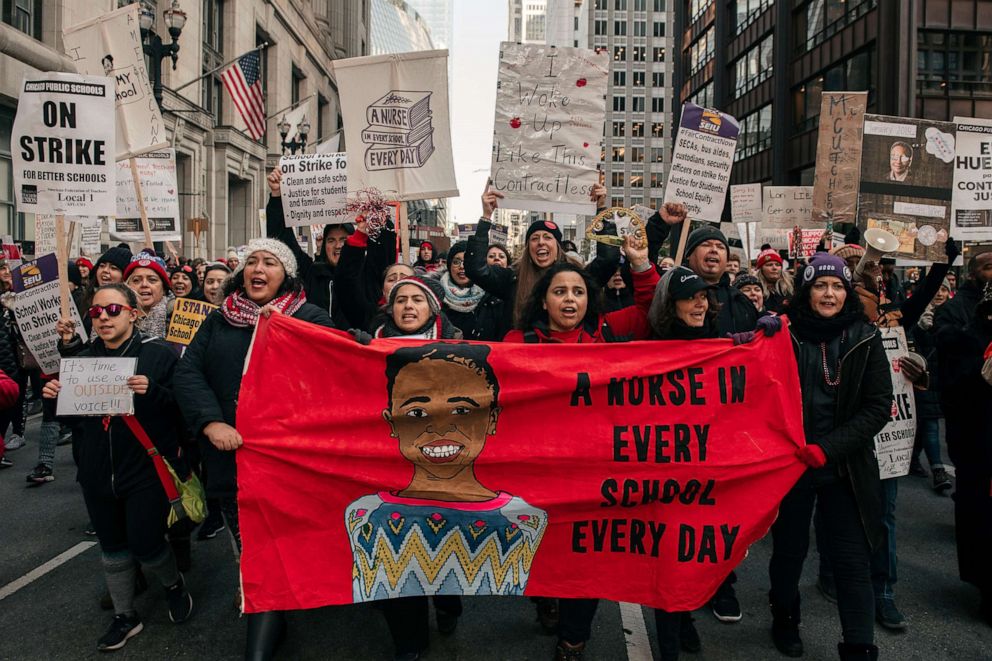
{"x":186,"y":401}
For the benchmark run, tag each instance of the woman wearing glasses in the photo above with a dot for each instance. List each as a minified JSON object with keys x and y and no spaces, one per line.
{"x":124,"y":496}
{"x":478,"y":314}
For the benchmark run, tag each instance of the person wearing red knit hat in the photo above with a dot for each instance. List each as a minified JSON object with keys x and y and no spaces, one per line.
{"x":847,"y":398}
{"x":147,"y":276}
{"x":85,"y":266}
{"x":776,"y":282}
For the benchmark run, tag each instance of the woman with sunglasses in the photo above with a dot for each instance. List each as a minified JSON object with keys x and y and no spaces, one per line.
{"x":125,"y":499}
{"x":208,"y":379}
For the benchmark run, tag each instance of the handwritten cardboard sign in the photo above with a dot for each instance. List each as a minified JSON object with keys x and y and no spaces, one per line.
{"x":157,"y":173}
{"x":315,"y":189}
{"x":550,"y":109}
{"x":784,"y":209}
{"x":745,"y":203}
{"x":701,"y":162}
{"x":187,"y":316}
{"x":96,"y":386}
{"x":838,"y":157}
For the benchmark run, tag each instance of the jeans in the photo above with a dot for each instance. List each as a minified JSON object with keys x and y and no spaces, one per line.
{"x":844,"y":542}
{"x":928,"y":440}
{"x":50,"y":430}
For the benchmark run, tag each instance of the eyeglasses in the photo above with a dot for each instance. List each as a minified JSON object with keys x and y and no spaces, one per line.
{"x":112,"y":310}
{"x":458,"y":262}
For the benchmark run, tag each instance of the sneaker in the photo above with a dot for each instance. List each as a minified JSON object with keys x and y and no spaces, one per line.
{"x":65,"y":436}
{"x":827,"y":589}
{"x":14,"y":442}
{"x":688,"y":636}
{"x":210,"y":527}
{"x":121,"y":629}
{"x":547,"y":613}
{"x":41,"y":474}
{"x":889,"y":616}
{"x":33,"y":407}
{"x":568,"y":651}
{"x":89,"y":530}
{"x":5,"y":462}
{"x":725,"y":606}
{"x":180,"y":601}
{"x":941,"y":480}
{"x":446,"y":622}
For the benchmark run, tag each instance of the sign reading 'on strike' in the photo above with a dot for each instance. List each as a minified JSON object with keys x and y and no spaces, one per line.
{"x":62,"y":145}
{"x":635,"y":473}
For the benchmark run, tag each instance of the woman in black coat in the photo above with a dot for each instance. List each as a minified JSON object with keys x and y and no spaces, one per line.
{"x":124,"y":496}
{"x":847,"y":398}
{"x":208,"y":379}
{"x":476,"y":312}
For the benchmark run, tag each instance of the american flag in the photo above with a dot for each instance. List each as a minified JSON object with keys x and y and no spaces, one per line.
{"x":245,"y":87}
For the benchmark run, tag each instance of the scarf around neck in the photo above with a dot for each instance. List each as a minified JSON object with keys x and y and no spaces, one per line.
{"x":242,"y":312}
{"x":437,"y":327}
{"x":461,"y":299}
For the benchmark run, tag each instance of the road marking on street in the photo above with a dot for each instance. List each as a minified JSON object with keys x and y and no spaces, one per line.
{"x":40,"y":571}
{"x":635,"y":632}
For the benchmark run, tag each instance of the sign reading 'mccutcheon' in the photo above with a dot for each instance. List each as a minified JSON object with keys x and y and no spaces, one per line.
{"x":453,"y":474}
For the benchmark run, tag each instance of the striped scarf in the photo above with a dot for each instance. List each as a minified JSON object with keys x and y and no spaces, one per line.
{"x":242,"y":312}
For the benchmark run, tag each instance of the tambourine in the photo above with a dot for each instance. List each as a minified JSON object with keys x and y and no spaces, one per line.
{"x":626,"y":222}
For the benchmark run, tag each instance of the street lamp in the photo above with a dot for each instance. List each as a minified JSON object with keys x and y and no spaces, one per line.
{"x":175,"y":20}
{"x":302,"y":132}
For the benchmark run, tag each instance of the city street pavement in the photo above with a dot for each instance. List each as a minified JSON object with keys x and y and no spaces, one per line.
{"x":56,"y":615}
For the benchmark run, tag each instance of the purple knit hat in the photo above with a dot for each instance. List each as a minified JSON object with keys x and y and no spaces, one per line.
{"x":823,"y":264}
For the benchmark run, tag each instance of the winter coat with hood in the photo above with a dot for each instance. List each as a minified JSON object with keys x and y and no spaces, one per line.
{"x":317,"y":275}
{"x":487,"y":321}
{"x":862,"y":405}
{"x":112,"y":462}
{"x":207,"y":383}
{"x":359,"y":275}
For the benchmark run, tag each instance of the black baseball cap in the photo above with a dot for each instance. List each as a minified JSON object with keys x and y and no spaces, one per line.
{"x":684,"y":284}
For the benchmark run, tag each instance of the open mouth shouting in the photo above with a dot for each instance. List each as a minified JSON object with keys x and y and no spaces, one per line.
{"x":570,"y":312}
{"x":257,"y":284}
{"x":441,"y":451}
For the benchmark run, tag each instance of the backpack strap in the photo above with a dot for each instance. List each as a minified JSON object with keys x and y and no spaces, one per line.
{"x":163,"y":471}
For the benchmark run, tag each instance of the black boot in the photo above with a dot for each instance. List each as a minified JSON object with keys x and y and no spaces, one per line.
{"x":669,"y":626}
{"x":857,"y":652}
{"x":785,"y":628}
{"x":266,"y":631}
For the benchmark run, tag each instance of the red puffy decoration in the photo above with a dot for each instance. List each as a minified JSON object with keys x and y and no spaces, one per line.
{"x":636,"y":472}
{"x":581,"y":82}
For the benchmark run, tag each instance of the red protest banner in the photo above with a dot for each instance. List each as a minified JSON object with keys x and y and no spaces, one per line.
{"x":638,"y":472}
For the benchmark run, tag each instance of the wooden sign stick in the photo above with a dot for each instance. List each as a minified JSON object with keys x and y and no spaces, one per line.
{"x":62,"y":253}
{"x":682,"y":237}
{"x":404,"y":232}
{"x":141,"y":202}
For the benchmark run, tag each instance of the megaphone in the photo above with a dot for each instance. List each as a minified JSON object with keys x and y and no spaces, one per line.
{"x":878,"y":242}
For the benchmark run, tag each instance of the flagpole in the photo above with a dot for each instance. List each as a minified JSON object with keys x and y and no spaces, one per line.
{"x":215,"y":70}
{"x":289,"y":107}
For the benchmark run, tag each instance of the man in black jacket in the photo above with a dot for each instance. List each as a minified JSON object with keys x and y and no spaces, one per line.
{"x":963,"y":328}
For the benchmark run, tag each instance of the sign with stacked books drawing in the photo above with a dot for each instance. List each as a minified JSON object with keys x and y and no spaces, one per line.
{"x":972,"y":198}
{"x":550,"y":109}
{"x":395,"y":111}
{"x":907,"y":174}
{"x":111,"y":45}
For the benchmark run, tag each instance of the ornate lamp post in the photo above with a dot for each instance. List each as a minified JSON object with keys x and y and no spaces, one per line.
{"x":175,"y":20}
{"x":298,"y":142}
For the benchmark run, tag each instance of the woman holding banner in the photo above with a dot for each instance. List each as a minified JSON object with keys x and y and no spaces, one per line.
{"x":543,"y":249}
{"x":847,"y":398}
{"x":124,"y":496}
{"x":208,"y":379}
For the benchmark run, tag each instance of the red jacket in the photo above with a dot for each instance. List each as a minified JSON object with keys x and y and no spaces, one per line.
{"x":630,"y":323}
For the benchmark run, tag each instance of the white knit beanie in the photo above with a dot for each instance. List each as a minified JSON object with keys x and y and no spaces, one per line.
{"x":277,"y":248}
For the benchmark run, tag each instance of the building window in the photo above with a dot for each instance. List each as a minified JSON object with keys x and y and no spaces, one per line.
{"x":637,"y":154}
{"x":263,"y":66}
{"x":24,"y":15}
{"x":658,"y":79}
{"x":620,"y":5}
{"x":657,"y":156}
{"x":619,"y":103}
{"x":323,"y":108}
{"x":659,"y":5}
{"x":620,"y":28}
{"x":637,"y":104}
{"x":659,"y":29}
{"x":856,"y":73}
{"x":657,"y":130}
{"x":535,"y":27}
{"x":619,"y":54}
{"x":617,"y":179}
{"x":656,"y":180}
{"x":620,"y":78}
{"x":659,"y":54}
{"x":599,"y":28}
{"x":639,"y":53}
{"x":697,"y":7}
{"x":704,"y":97}
{"x":955,"y":63}
{"x":602,"y":4}
{"x":640,"y":5}
{"x":638,"y":79}
{"x":618,"y":129}
{"x":637,"y":130}
{"x":637,"y":180}
{"x":756,"y":133}
{"x":213,"y":57}
{"x":658,"y":104}
{"x":618,"y":154}
{"x":640,"y":28}
{"x":700,"y":52}
{"x":819,"y":20}
{"x":745,"y":11}
{"x":754,"y":66}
